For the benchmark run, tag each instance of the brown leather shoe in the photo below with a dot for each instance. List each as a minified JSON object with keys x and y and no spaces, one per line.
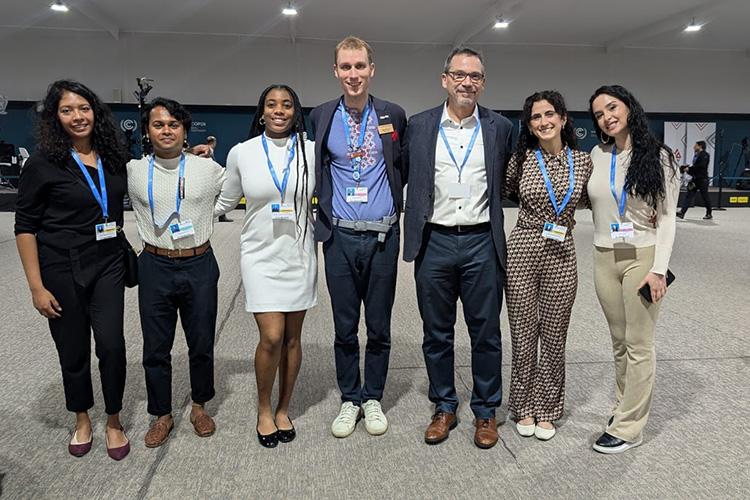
{"x":158,"y":433}
{"x":485,"y":435}
{"x":203,"y":424}
{"x":440,"y":427}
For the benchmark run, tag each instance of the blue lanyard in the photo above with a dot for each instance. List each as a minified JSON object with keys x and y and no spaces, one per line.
{"x":612,"y":168}
{"x":180,"y":191}
{"x":356,"y":160}
{"x":468,"y":150}
{"x":548,"y":183}
{"x":282,"y":186}
{"x":100,"y":197}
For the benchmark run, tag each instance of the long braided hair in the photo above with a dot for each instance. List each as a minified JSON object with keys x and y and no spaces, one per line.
{"x":298,"y":127}
{"x":645,"y":176}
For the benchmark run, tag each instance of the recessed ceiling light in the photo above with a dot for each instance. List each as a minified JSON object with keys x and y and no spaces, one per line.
{"x":289,"y":10}
{"x":501,"y":23}
{"x":692,"y":27}
{"x":58,"y":6}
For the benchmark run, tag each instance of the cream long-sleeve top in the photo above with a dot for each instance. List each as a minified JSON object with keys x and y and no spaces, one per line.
{"x":653,"y":227}
{"x":203,"y":180}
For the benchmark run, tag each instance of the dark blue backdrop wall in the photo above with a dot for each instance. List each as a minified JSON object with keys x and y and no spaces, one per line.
{"x":230,"y":124}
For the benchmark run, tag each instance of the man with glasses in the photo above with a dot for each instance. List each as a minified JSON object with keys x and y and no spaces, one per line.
{"x":453,"y":231}
{"x":359,"y":184}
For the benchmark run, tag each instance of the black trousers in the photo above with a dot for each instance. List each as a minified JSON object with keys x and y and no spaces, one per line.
{"x":464,"y":266}
{"x":187,"y":286}
{"x":88,"y":284}
{"x":702,"y":186}
{"x":360,"y":269}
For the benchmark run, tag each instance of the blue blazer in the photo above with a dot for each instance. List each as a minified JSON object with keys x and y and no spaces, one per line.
{"x":321,"y":118}
{"x":421,"y":141}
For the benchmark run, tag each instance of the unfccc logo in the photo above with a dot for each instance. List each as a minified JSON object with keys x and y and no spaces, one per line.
{"x":581,"y":132}
{"x":128,"y":125}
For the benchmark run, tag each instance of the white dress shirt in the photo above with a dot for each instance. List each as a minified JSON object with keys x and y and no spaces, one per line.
{"x":449,"y":211}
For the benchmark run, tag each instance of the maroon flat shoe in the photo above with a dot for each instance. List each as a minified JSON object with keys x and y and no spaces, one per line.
{"x":79,"y":450}
{"x":121,"y":451}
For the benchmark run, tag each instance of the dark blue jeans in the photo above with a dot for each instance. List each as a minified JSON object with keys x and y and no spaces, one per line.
{"x":168,"y":286}
{"x":464,"y":266}
{"x":360,"y":269}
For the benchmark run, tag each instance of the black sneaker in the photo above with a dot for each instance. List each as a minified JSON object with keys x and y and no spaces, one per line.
{"x":708,"y":217}
{"x":610,"y":445}
{"x":680,"y":215}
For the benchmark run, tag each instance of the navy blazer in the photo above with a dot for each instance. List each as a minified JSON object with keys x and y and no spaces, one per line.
{"x":321,"y":118}
{"x":420,"y":143}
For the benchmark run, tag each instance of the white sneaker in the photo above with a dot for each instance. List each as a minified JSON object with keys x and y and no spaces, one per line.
{"x":375,"y":421}
{"x":344,"y":424}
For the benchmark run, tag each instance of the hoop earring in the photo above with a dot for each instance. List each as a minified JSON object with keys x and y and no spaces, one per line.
{"x":601,"y":138}
{"x":262,"y":121}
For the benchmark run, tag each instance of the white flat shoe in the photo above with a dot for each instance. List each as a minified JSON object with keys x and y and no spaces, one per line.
{"x":525,"y":430}
{"x":544,"y":434}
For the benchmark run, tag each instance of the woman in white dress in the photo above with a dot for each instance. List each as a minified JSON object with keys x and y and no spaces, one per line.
{"x":278,"y":261}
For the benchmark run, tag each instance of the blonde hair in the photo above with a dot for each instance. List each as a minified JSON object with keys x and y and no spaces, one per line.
{"x":352,"y":43}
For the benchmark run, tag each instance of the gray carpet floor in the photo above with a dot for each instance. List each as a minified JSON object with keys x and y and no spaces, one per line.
{"x":696,"y":442}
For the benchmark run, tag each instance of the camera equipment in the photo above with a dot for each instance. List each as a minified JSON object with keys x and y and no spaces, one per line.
{"x":144,"y":87}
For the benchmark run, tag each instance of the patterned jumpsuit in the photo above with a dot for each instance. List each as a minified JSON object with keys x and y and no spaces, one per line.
{"x":542,"y":282}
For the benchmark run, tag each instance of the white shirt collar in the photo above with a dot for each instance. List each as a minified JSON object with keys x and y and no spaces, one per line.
{"x":446,"y":120}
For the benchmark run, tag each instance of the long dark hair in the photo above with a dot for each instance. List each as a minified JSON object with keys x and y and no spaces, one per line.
{"x":55,"y":143}
{"x":298,"y":127}
{"x":527,"y":140}
{"x":646,"y":179}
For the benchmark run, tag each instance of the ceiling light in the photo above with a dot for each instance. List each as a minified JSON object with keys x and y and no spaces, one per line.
{"x":501,"y":23}
{"x":693,"y":27}
{"x":289,"y":10}
{"x":58,"y":6}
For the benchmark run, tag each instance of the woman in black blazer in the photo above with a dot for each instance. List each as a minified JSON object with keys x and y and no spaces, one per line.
{"x":68,"y":213}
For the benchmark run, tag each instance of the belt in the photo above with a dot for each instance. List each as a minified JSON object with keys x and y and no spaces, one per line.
{"x":474,"y":228}
{"x":381,"y":226}
{"x":178,"y":253}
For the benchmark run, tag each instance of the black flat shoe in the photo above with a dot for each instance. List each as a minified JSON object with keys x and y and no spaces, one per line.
{"x":610,"y":444}
{"x":287,"y":435}
{"x":268,"y":440}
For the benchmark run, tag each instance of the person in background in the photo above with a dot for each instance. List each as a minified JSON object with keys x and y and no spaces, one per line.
{"x":68,"y":212}
{"x":699,"y":173}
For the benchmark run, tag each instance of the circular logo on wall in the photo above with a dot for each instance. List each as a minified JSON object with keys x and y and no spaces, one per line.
{"x":581,"y":132}
{"x":128,"y":125}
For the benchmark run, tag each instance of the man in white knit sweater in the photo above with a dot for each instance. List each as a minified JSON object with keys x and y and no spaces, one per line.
{"x":173,"y":195}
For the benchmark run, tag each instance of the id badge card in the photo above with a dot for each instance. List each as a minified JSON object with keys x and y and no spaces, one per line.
{"x":554,"y":231}
{"x":456,"y":190}
{"x":621,"y":230}
{"x":106,"y":231}
{"x":180,"y":230}
{"x":282,"y":211}
{"x":356,"y":194}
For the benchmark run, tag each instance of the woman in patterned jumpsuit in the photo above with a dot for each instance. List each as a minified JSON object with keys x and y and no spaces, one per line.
{"x":542,"y":275}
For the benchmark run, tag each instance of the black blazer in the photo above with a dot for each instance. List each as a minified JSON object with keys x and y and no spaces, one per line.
{"x":421,"y":141}
{"x":699,"y":168}
{"x":321,"y":118}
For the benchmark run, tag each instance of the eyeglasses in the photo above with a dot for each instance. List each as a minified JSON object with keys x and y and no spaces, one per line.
{"x":460,"y":76}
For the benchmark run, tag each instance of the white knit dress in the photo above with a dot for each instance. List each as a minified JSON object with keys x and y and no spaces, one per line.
{"x":278,"y":260}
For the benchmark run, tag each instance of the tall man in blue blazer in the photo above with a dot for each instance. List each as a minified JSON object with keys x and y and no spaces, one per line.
{"x":453,"y":231}
{"x":359,"y":183}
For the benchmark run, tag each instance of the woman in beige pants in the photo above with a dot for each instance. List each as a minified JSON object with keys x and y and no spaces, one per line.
{"x":633,"y":191}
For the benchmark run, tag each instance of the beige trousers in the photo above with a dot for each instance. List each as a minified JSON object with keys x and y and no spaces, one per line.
{"x":632,"y":321}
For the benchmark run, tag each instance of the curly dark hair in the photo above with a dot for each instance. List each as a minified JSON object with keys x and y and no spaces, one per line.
{"x":55,"y":143}
{"x":298,"y":127}
{"x":527,"y":140}
{"x":646,"y":179}
{"x":174,"y":108}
